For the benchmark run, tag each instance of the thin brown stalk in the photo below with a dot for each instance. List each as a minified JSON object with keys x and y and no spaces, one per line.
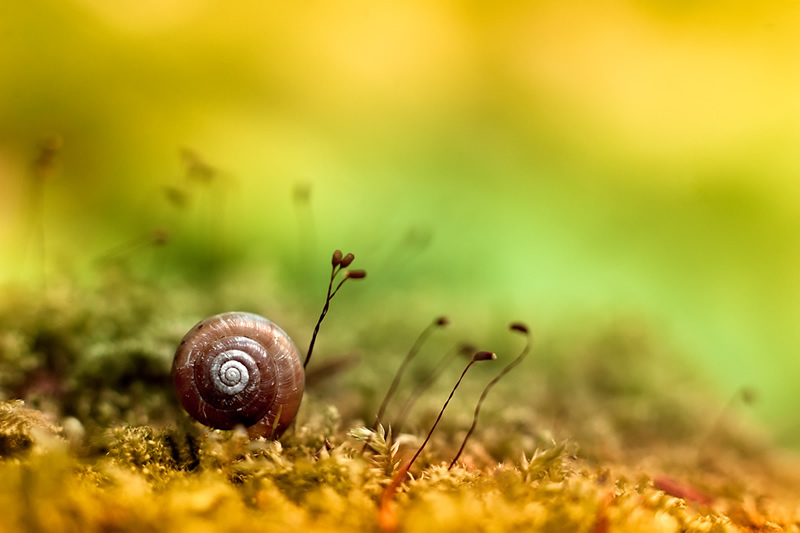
{"x":516,"y":326}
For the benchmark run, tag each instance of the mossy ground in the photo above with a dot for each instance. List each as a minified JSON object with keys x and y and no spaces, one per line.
{"x":594,"y":433}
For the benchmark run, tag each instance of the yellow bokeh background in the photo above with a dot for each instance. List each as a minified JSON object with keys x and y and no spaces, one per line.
{"x":562,"y":161}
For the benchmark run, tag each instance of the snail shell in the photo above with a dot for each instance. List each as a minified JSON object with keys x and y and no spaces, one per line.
{"x":239,"y":368}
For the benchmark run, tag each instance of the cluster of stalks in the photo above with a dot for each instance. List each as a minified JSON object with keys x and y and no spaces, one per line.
{"x":386,"y":514}
{"x":478,"y":355}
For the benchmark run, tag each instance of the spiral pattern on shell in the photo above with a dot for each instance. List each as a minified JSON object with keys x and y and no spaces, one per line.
{"x":239,"y":368}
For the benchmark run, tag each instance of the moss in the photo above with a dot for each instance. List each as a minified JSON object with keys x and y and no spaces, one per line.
{"x":558,"y":449}
{"x":145,"y":480}
{"x":23,"y":429}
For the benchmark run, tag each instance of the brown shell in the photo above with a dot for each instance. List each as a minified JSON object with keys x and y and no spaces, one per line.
{"x":239,"y":368}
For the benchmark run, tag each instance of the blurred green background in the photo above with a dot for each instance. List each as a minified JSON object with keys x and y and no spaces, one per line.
{"x":567,"y":163}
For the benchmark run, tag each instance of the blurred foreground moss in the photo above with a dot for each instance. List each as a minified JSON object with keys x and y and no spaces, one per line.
{"x":598,"y":436}
{"x":170,"y":480}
